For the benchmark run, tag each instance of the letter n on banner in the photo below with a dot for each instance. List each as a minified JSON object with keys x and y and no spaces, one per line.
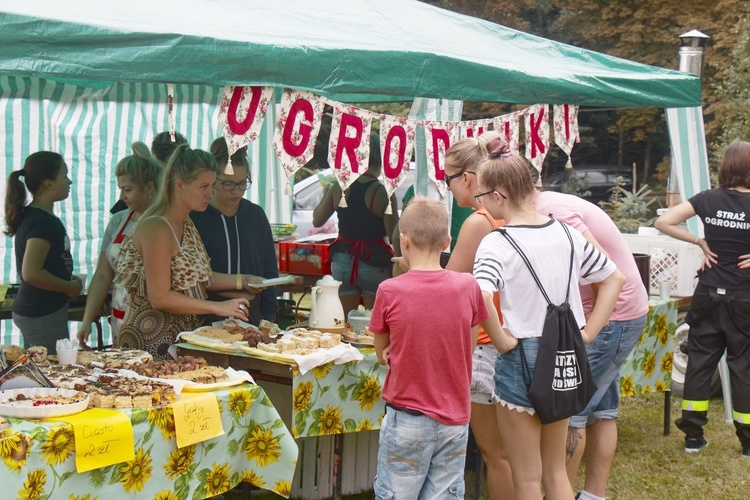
{"x":537,"y":134}
{"x":349,"y":147}
{"x":297,"y":127}
{"x":241,"y":116}
{"x":440,"y":136}
{"x":397,"y":135}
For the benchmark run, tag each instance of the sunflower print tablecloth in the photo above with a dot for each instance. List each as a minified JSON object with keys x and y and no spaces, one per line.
{"x":649,"y":366}
{"x":336,"y":399}
{"x":38,"y":457}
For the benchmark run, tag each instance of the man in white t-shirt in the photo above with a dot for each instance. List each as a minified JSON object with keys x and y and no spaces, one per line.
{"x":595,"y":428}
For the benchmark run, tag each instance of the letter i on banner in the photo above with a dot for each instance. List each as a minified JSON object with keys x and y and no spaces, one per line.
{"x":565,"y":124}
{"x":397,"y":135}
{"x":440,"y":136}
{"x":474,"y":128}
{"x":508,"y":126}
{"x":241,"y":116}
{"x":349,"y":146}
{"x":297,"y":127}
{"x":537,"y":134}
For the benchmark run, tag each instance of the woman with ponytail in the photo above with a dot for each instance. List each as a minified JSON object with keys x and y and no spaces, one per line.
{"x":536,"y":452}
{"x":43,"y":259}
{"x":138,"y":179}
{"x":164,"y":266}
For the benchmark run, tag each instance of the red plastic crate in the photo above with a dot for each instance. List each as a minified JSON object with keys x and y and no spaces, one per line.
{"x":304,"y":258}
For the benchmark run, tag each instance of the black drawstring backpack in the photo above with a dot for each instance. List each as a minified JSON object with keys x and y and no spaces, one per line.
{"x":562,"y":384}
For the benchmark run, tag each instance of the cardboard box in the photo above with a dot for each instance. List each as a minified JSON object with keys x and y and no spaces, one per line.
{"x":674,"y":261}
{"x":304,"y":258}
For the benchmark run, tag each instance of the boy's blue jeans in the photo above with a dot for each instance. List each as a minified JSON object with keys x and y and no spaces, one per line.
{"x":420,"y":458}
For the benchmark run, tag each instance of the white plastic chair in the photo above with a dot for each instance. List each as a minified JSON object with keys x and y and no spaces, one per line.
{"x":723,"y":375}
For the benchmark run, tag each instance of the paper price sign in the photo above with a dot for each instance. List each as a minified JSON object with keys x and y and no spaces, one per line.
{"x":196,"y":418}
{"x":103,"y":437}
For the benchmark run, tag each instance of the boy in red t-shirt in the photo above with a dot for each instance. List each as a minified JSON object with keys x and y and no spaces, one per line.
{"x":427,"y":319}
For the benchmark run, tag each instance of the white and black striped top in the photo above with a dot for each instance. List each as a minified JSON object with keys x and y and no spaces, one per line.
{"x":499,"y":268}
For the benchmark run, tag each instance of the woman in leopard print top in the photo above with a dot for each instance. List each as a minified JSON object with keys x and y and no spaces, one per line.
{"x":163,"y":263}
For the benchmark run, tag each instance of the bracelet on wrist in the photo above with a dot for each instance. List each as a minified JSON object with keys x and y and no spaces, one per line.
{"x":238,"y":282}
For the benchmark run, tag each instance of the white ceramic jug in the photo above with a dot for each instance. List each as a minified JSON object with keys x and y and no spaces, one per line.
{"x":326,"y":311}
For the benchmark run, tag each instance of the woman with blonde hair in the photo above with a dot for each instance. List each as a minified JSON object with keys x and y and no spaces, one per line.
{"x":163,"y":263}
{"x":138,"y":179}
{"x":561,"y":258}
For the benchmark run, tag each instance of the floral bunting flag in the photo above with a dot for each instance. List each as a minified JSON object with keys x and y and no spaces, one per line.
{"x":397,"y":135}
{"x":349,"y":146}
{"x":474,"y":128}
{"x":439,"y":136}
{"x":508,"y":126}
{"x":297,"y":127}
{"x":241,"y":116}
{"x":537,"y":134}
{"x":566,"y":128}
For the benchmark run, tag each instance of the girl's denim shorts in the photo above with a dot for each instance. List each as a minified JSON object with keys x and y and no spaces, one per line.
{"x":510,"y":387}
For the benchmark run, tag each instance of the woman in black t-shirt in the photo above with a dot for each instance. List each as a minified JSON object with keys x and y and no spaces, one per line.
{"x":719,"y":315}
{"x":43,"y":259}
{"x":361,"y":255}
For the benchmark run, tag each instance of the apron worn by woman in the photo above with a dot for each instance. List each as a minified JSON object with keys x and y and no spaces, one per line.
{"x":154,"y":330}
{"x":119,"y":293}
{"x":362,"y":232}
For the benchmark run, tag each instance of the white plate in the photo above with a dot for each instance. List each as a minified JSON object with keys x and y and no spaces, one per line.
{"x":24,"y":409}
{"x":282,"y":280}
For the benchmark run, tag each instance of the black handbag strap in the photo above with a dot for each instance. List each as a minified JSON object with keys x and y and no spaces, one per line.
{"x":526,"y":261}
{"x":524,"y":364}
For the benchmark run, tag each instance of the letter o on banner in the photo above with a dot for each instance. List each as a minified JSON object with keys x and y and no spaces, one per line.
{"x":396,"y":132}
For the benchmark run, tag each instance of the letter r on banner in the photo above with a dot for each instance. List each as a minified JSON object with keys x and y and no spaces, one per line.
{"x":349,"y":143}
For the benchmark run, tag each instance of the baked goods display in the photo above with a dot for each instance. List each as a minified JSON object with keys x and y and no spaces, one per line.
{"x":114,"y":358}
{"x":231,"y":335}
{"x":110,"y":391}
{"x":42,"y":402}
{"x":12,"y":353}
{"x":363,"y":337}
{"x":48,"y":399}
{"x":301,"y":341}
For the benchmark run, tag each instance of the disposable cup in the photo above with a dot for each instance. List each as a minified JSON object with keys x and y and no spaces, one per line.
{"x":665,"y":288}
{"x":67,"y":357}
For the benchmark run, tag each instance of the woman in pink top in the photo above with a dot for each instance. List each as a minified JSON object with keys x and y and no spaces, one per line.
{"x":595,"y":428}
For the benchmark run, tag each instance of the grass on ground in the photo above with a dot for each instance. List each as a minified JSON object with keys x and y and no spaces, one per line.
{"x":649,"y":465}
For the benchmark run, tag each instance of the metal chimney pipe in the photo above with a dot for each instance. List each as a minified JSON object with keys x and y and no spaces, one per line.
{"x":693,"y":46}
{"x":692,"y":49}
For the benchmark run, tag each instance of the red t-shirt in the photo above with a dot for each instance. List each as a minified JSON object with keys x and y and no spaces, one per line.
{"x":429,"y":315}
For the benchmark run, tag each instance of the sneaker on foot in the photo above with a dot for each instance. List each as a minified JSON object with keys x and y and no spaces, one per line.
{"x":694,"y":445}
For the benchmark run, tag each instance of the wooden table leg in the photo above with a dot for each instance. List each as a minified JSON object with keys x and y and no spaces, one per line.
{"x":338,"y":446}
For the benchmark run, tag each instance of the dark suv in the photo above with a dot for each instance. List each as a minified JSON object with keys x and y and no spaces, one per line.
{"x":594,"y":183}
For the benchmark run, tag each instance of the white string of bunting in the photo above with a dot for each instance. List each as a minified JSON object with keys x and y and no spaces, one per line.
{"x":243,"y":111}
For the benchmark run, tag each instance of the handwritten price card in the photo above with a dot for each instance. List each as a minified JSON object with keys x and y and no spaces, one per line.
{"x":196,"y":418}
{"x":103,"y":437}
